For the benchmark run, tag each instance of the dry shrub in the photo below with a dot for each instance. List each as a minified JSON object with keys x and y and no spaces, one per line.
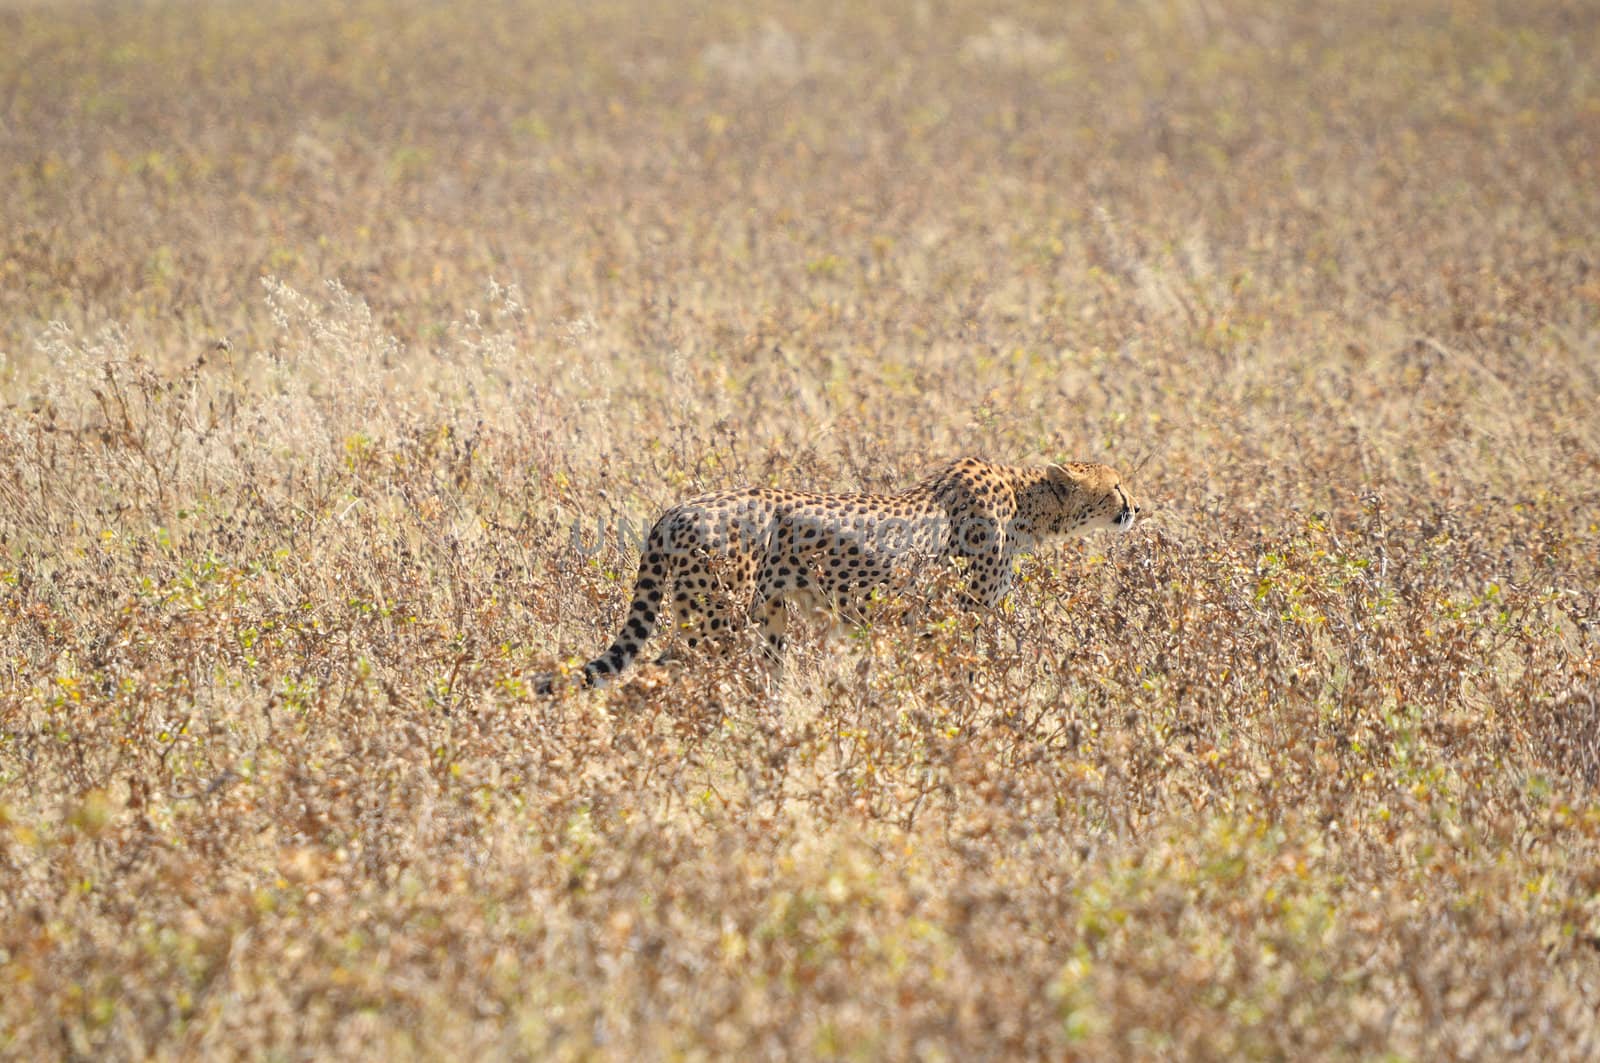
{"x":1564,"y":733}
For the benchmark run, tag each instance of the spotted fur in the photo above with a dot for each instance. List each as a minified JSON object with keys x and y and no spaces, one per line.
{"x":723,"y":560}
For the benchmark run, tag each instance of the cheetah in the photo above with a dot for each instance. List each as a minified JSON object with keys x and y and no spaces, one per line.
{"x":735,"y":557}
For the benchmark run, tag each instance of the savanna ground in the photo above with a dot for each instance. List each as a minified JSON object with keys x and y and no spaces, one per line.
{"x":324,"y":325}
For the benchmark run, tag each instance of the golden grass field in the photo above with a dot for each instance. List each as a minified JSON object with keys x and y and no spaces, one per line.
{"x":324,"y":326}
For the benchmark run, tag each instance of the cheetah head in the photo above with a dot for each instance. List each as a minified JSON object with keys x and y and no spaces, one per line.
{"x":1086,"y":497}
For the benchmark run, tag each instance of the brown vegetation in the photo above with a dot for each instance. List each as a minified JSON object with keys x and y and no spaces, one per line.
{"x":323,"y":326}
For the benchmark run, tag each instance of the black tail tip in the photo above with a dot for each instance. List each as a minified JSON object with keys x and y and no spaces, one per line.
{"x":549,"y":684}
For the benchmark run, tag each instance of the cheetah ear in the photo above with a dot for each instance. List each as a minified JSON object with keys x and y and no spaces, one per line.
{"x":1060,"y":473}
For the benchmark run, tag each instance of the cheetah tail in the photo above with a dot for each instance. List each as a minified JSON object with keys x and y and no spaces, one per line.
{"x":636,"y":629}
{"x":639,"y":625}
{"x":641,"y":620}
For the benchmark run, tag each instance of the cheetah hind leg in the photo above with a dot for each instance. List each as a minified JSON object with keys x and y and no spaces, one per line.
{"x":701,"y":623}
{"x":771,"y":618}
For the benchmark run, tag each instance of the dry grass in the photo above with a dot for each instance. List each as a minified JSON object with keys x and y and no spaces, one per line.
{"x":324,"y":325}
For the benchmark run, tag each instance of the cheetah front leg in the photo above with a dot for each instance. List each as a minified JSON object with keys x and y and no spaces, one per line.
{"x":985,"y":555}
